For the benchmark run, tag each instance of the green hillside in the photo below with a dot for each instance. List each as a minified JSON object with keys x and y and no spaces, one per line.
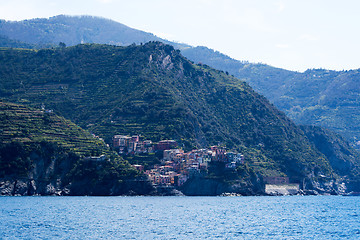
{"x":342,"y":157}
{"x":316,"y":97}
{"x":42,"y":153}
{"x":21,"y":124}
{"x":326,"y":98}
{"x":154,"y":91}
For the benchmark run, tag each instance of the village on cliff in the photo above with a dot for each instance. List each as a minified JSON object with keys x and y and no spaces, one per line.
{"x":176,"y":165}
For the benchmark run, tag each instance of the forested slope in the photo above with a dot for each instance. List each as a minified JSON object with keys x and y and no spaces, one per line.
{"x":152,"y":90}
{"x":317,"y":97}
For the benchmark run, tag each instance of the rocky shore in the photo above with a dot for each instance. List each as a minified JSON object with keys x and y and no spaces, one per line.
{"x":31,"y":187}
{"x":193,"y":187}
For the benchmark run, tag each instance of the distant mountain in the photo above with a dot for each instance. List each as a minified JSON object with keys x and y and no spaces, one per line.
{"x":325,"y":98}
{"x":316,"y":97}
{"x":42,"y":153}
{"x":152,"y":90}
{"x":11,"y":43}
{"x":75,"y":30}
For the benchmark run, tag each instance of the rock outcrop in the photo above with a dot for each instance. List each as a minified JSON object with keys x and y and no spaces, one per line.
{"x":200,"y":186}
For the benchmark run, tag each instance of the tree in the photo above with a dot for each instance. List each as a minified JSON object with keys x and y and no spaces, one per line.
{"x":62,"y":45}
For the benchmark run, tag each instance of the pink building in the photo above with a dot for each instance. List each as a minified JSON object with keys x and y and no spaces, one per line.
{"x":165,"y":145}
{"x":218,"y":153}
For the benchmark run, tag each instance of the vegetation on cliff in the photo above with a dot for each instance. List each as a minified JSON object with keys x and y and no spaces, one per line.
{"x":315,"y":97}
{"x":40,"y":147}
{"x":154,"y":91}
{"x":342,"y":157}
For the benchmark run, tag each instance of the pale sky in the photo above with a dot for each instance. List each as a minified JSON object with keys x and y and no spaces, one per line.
{"x":291,"y":34}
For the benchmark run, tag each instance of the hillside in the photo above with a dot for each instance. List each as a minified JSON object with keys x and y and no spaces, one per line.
{"x":325,"y":98}
{"x":315,"y":97}
{"x":42,"y":153}
{"x":152,"y":90}
{"x":75,"y":30}
{"x":336,"y":149}
{"x":6,"y":42}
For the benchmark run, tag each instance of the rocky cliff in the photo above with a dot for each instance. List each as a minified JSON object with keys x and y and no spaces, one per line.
{"x":44,"y":154}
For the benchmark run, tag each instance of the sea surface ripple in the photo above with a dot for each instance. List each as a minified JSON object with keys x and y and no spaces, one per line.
{"x":292,"y":217}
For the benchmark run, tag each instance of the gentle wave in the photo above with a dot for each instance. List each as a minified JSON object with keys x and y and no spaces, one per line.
{"x":292,"y":217}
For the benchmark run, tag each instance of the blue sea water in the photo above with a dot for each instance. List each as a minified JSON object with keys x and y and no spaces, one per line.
{"x":292,"y":217}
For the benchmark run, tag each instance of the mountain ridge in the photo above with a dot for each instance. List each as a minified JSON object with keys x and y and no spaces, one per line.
{"x":73,"y":30}
{"x":154,"y":91}
{"x":274,"y":83}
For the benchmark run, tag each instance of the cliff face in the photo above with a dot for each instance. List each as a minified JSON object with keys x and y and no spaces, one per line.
{"x":65,"y":174}
{"x":215,"y":187}
{"x":343,"y":159}
{"x":249,"y":184}
{"x":44,"y":154}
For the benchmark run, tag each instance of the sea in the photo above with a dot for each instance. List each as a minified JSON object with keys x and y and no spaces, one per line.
{"x":255,"y":217}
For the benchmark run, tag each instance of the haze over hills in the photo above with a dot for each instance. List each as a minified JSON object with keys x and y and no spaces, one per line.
{"x":75,"y":30}
{"x":152,"y":90}
{"x":316,"y":97}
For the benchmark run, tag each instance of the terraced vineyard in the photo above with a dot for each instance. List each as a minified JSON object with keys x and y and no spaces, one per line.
{"x":42,"y":153}
{"x":21,"y":124}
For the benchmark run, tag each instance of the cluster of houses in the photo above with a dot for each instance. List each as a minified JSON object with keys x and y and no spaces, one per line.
{"x":176,"y":165}
{"x":133,"y":145}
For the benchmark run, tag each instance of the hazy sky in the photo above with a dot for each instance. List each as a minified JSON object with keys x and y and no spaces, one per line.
{"x":291,"y":34}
